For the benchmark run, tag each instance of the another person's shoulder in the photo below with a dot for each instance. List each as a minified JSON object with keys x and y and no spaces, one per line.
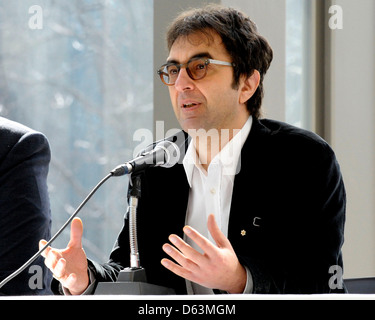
{"x":16,"y":136}
{"x":14,"y":130}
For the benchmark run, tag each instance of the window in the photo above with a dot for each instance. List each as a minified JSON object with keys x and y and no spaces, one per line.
{"x":299,"y":55}
{"x":86,"y":81}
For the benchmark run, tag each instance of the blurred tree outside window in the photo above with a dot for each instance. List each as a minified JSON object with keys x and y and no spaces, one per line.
{"x":85,"y":79}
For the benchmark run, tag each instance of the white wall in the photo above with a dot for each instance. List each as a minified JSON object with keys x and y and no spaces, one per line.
{"x":269,"y":16}
{"x":353,"y":129}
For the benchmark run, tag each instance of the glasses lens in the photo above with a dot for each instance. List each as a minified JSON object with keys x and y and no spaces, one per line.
{"x":197,"y":69}
{"x":163,"y":76}
{"x":171,"y":72}
{"x":168,"y":74}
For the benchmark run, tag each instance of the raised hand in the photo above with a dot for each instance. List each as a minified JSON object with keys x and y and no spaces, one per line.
{"x":69,"y":265}
{"x":218,"y":267}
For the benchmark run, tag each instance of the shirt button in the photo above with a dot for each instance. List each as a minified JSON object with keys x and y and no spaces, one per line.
{"x":213,"y":191}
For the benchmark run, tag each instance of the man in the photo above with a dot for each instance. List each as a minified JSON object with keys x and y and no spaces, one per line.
{"x":25,"y":214}
{"x":262,"y":202}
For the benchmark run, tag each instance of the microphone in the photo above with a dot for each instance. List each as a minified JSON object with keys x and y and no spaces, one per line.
{"x":165,"y":154}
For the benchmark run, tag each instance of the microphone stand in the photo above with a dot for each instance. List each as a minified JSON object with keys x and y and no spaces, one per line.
{"x":132,"y":280}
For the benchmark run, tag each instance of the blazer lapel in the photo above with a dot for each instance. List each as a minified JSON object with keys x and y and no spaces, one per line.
{"x":246,"y":187}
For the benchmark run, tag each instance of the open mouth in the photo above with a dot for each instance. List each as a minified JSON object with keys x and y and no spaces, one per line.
{"x":188,"y":105}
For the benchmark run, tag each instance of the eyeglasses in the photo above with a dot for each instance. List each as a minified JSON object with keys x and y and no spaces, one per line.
{"x":196,"y":68}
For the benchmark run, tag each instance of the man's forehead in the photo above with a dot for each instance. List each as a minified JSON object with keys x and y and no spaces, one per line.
{"x":189,"y":46}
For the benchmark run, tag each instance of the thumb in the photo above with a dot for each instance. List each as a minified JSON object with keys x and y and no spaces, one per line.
{"x":76,"y":232}
{"x":42,"y":243}
{"x":219,"y":237}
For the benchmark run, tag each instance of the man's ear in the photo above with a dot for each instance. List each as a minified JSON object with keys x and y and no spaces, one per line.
{"x":249,"y":86}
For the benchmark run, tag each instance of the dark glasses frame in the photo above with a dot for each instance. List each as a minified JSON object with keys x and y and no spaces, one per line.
{"x":165,"y":76}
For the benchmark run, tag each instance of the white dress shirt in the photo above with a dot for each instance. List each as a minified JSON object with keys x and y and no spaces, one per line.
{"x":211,"y":192}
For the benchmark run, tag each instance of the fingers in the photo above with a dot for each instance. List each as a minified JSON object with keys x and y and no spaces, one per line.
{"x":185,"y":255}
{"x":53,"y":260}
{"x":59,"y":270}
{"x":218,"y":266}
{"x":200,"y":240}
{"x":178,"y":270}
{"x":70,"y":281}
{"x":59,"y":273}
{"x":218,"y":236}
{"x":76,"y":232}
{"x":206,"y":245}
{"x":42,"y":243}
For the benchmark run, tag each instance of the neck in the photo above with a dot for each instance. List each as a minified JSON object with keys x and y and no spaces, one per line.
{"x":209,"y":143}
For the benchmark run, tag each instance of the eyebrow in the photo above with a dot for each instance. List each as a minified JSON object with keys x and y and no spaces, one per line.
{"x":198,"y":55}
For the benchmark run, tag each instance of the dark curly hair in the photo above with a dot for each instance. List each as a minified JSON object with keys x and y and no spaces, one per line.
{"x":249,"y":50}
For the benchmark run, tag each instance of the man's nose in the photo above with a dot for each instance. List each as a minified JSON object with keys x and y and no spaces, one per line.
{"x":183,"y":81}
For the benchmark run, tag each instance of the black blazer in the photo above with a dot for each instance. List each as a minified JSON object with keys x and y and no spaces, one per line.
{"x":25,"y":215}
{"x":286,"y":220}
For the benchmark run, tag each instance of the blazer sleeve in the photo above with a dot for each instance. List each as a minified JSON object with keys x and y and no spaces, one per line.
{"x":24,"y":209}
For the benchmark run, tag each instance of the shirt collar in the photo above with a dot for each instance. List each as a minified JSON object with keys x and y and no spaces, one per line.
{"x":227,"y":157}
